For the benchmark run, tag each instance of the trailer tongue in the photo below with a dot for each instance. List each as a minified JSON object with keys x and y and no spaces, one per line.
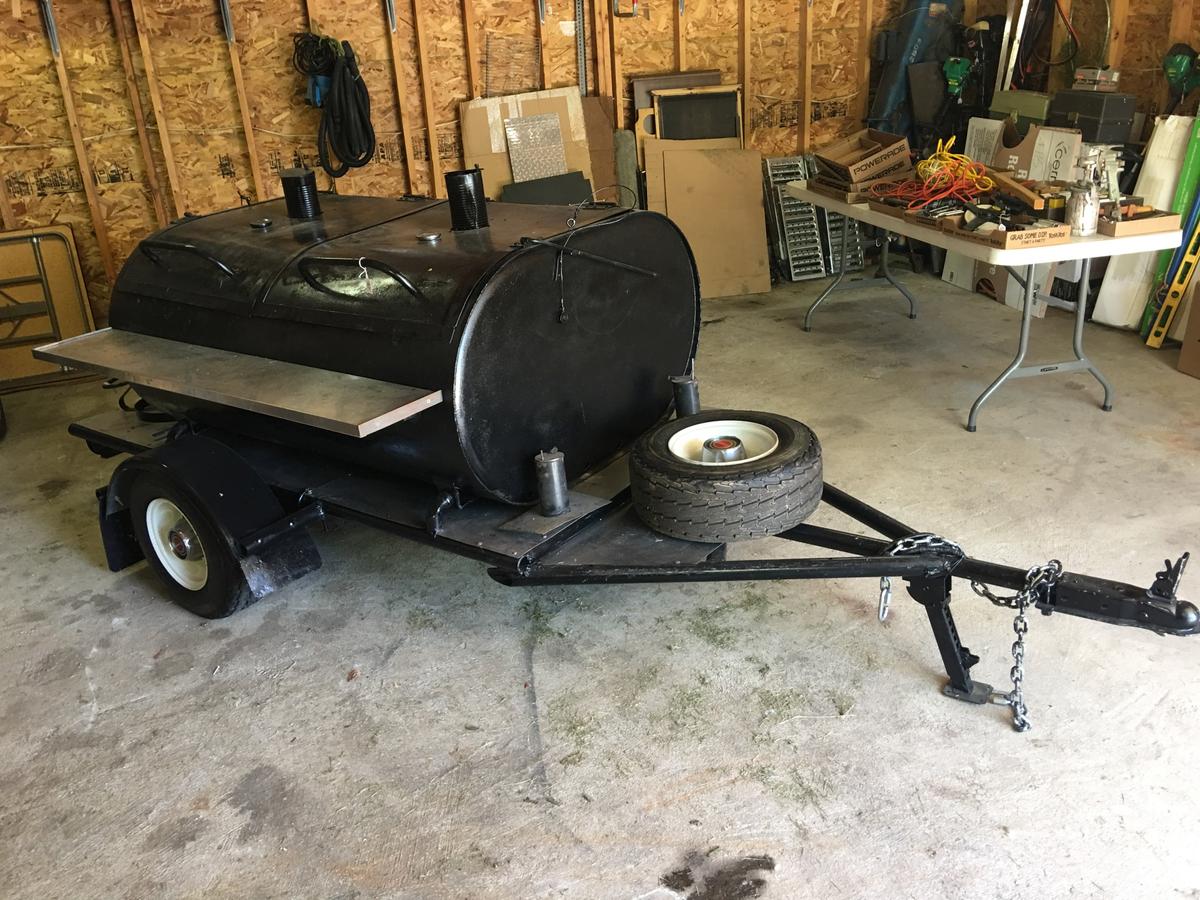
{"x":384,"y":362}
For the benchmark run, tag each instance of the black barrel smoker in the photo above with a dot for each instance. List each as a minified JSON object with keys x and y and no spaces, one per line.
{"x":433,"y":369}
{"x":549,"y":326}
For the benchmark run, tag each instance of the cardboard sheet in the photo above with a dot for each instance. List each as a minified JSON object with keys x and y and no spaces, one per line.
{"x":599,"y":125}
{"x":656,"y":185}
{"x":485,"y":142}
{"x":715,"y":197}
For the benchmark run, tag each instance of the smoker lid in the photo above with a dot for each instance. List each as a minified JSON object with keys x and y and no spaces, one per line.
{"x":227,"y":260}
{"x":413,"y":271}
{"x":366,"y":263}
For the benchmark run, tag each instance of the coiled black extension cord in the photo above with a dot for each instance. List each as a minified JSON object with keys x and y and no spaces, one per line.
{"x":346,"y":137}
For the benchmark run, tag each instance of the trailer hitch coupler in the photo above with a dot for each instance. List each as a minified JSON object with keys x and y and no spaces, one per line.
{"x":687,"y":395}
{"x":552,"y":482}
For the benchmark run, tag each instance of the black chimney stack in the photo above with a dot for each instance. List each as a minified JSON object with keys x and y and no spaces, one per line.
{"x":300,"y":193}
{"x":468,"y":205}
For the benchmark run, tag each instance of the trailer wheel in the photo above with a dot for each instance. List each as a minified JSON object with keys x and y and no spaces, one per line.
{"x":186,"y":548}
{"x":725,"y":475}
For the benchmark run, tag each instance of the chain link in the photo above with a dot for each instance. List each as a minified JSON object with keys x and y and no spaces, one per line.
{"x":914,"y":543}
{"x":1038,"y":578}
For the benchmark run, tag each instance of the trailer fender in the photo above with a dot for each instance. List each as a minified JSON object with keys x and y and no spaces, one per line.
{"x":227,"y":487}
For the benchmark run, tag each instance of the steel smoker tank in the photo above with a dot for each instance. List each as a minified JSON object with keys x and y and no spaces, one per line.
{"x":541,"y":326}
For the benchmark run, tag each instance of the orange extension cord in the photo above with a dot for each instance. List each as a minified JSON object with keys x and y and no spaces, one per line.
{"x":943,"y":175}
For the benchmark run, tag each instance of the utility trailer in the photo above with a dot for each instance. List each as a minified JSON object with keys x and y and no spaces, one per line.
{"x":511,"y":384}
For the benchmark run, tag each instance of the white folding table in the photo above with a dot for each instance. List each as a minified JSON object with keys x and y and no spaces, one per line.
{"x":1085,"y":249}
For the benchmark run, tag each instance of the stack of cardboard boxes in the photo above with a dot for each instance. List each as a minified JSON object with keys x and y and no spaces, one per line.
{"x":846,"y":170}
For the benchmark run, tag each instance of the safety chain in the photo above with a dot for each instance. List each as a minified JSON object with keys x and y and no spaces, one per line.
{"x":1038,"y":578}
{"x":907,"y":546}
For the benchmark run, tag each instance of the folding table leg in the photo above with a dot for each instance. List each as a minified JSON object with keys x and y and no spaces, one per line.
{"x":840,"y":275}
{"x":884,"y":271}
{"x":1077,"y":340}
{"x":887,"y":273}
{"x":1079,"y":364}
{"x":1022,"y":347}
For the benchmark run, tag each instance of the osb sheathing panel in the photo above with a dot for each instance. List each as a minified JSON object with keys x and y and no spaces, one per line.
{"x":710,"y":34}
{"x":191,"y":61}
{"x":558,"y":36}
{"x":285,"y":126}
{"x":414,"y":104}
{"x":152,"y":135}
{"x":446,"y":50}
{"x":774,"y":89}
{"x":1090,"y":19}
{"x":509,"y":55}
{"x":834,"y":56}
{"x":40,"y":169}
{"x":1147,"y":40}
{"x":645,"y":46}
{"x":93,"y":62}
{"x":364,"y":24}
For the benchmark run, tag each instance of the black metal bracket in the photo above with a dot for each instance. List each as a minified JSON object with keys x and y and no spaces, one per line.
{"x":934,"y":595}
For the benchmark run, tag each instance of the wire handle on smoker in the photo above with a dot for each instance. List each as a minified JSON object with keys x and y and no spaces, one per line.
{"x":362,"y":263}
{"x":148,"y":246}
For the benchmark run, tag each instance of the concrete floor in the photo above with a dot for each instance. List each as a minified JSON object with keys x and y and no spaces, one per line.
{"x":399,"y":726}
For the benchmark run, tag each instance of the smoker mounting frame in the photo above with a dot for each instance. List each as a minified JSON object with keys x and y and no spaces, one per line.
{"x":601,"y":540}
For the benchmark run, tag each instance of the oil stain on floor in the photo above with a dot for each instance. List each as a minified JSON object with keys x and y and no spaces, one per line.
{"x":701,"y":877}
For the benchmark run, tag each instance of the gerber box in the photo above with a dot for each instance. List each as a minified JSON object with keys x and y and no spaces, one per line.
{"x":866,"y":155}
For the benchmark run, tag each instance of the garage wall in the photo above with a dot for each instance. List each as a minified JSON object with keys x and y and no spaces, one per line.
{"x":150,"y":112}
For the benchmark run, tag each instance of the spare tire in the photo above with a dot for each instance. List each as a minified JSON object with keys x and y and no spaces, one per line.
{"x":724,"y":475}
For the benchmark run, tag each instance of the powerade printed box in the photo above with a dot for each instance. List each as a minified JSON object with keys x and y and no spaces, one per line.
{"x":864,"y":156}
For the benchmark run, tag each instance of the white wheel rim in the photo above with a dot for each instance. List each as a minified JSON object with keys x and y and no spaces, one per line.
{"x":714,"y":443}
{"x":176,"y":544}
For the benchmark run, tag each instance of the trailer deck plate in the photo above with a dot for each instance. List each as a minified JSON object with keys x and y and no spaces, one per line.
{"x":333,"y":401}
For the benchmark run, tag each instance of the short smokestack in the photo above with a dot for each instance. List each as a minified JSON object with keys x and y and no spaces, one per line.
{"x":468,"y":205}
{"x":300,"y":193}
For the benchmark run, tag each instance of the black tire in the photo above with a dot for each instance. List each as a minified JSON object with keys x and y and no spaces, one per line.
{"x":226,"y":590}
{"x":696,"y":502}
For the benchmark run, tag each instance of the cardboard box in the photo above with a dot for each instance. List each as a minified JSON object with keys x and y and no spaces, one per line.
{"x":716,"y":198}
{"x":997,"y":283}
{"x":864,"y":156}
{"x":885,"y":208}
{"x":914,"y":217}
{"x":1159,"y":221}
{"x":1045,"y":154}
{"x":859,"y":192}
{"x":1189,"y":355}
{"x":485,"y":143}
{"x":1009,"y":240}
